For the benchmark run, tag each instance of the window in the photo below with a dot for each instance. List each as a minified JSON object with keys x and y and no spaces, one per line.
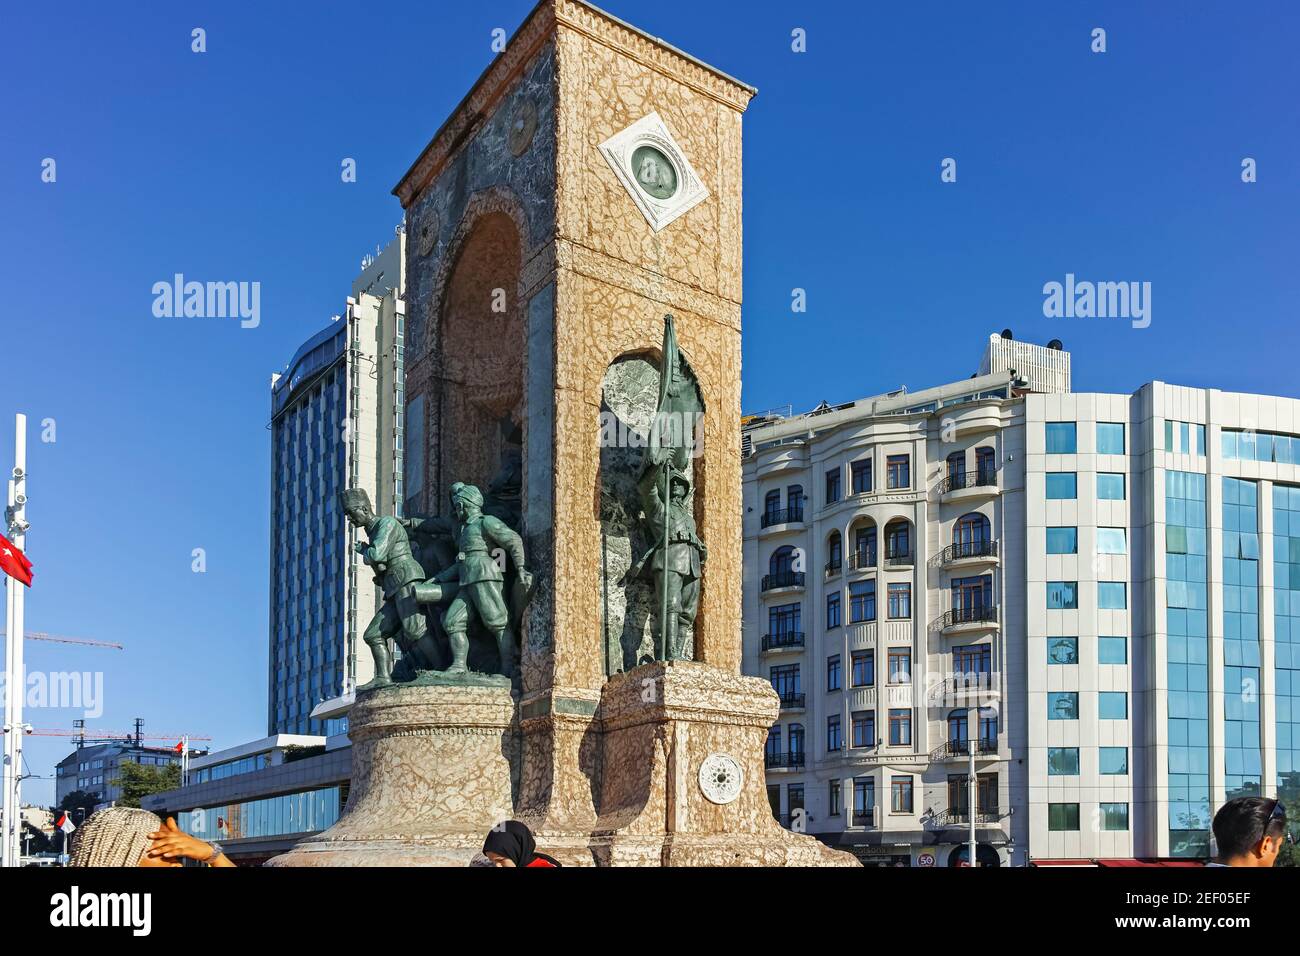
{"x":1112,"y":705}
{"x":1062,"y":485}
{"x":1062,"y":595}
{"x":898,"y":471}
{"x":794,"y":502}
{"x":833,"y":610}
{"x":898,"y":541}
{"x":864,"y":728}
{"x":861,"y":476}
{"x":1063,"y":816}
{"x":1112,"y":650}
{"x":1110,"y":486}
{"x":833,"y":673}
{"x":1062,"y":761}
{"x":1113,"y":761}
{"x":864,"y":800}
{"x":957,"y":467}
{"x":971,"y":660}
{"x":1063,"y":705}
{"x":833,"y":797}
{"x":785,"y":681}
{"x":900,"y":794}
{"x":1112,"y":541}
{"x":1114,"y":816}
{"x":1062,"y":650}
{"x":1112,"y":595}
{"x":1061,"y":438}
{"x":900,"y":666}
{"x":864,"y":668}
{"x":900,"y":728}
{"x":970,"y":535}
{"x":900,"y":601}
{"x":832,"y":486}
{"x":772,"y":506}
{"x":862,"y":601}
{"x":833,"y":739}
{"x":984,"y":464}
{"x":1110,"y":438}
{"x":864,"y":547}
{"x":834,"y":553}
{"x":1062,"y":540}
{"x":783,"y":621}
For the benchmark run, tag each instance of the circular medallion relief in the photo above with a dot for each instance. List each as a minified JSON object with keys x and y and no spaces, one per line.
{"x":522,"y":126}
{"x":721,"y":778}
{"x":654,"y":172}
{"x":428,"y":233}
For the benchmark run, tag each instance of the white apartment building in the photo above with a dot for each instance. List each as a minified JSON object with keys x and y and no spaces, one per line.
{"x":1005,"y":534}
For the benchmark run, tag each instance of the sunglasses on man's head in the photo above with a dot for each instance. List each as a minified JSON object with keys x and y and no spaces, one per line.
{"x":1279,"y":813}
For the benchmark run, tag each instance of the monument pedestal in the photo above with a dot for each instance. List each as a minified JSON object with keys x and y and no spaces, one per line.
{"x":682,"y":774}
{"x":432,"y":772}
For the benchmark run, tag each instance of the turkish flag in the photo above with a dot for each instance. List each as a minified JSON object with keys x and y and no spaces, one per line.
{"x":13,"y":562}
{"x":179,"y":747}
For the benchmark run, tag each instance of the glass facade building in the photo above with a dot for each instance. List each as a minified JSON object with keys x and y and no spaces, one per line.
{"x":1286,"y":640}
{"x":1187,"y":625}
{"x":1241,"y":651}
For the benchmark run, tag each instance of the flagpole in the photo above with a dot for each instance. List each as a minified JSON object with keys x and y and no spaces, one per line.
{"x":15,"y":683}
{"x":663,"y":615}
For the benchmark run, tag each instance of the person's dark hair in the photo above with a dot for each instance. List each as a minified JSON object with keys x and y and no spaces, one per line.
{"x":1242,"y":822}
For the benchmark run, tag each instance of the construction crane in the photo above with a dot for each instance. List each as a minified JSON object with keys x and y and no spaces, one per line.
{"x":59,"y":639}
{"x":110,"y":735}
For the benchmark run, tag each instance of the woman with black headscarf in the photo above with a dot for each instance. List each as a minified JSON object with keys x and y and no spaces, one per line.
{"x":512,"y":844}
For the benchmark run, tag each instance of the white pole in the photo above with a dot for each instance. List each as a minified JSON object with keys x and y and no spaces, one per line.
{"x":972,"y":728}
{"x":15,"y":682}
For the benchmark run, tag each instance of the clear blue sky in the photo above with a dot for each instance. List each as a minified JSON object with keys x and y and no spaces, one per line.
{"x":1116,"y":166}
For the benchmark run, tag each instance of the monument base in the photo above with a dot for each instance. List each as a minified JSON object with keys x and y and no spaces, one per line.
{"x":431,"y":775}
{"x":683,"y":780}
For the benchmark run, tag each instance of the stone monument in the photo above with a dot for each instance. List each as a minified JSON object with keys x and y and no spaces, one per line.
{"x":574,"y":281}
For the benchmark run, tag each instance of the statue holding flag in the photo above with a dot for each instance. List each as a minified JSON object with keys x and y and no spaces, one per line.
{"x":675,"y":559}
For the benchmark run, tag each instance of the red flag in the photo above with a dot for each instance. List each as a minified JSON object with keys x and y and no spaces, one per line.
{"x":13,"y":562}
{"x":179,"y":747}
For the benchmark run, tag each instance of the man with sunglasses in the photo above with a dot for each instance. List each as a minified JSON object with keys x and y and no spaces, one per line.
{"x":1249,"y":831}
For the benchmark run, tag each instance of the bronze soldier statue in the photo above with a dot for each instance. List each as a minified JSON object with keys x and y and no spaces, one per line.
{"x":398,"y":573}
{"x":475,"y":583}
{"x":676,"y":567}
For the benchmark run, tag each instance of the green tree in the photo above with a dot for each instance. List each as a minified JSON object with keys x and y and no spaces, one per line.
{"x":79,"y":800}
{"x":137,"y":781}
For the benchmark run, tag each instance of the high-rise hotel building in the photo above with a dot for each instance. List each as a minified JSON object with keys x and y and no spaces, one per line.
{"x":336,"y":422}
{"x":1089,"y":597}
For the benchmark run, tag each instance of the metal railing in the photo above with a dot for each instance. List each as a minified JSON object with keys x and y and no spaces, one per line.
{"x":783,"y":579}
{"x":772,"y":642}
{"x":782,"y":516}
{"x":793,"y":701}
{"x":955,"y":816}
{"x":978,"y":614}
{"x":833,"y":568}
{"x":897,"y":557}
{"x":981,"y":478}
{"x":860,"y":560}
{"x":970,"y":549}
{"x":789,"y":760}
{"x":961,"y":748}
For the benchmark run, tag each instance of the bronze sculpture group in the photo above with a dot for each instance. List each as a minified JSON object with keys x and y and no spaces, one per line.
{"x":483,"y":589}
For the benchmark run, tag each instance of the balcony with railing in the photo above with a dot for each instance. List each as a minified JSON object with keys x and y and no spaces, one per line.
{"x":787,"y":760}
{"x":775,"y":517}
{"x":833,"y":568}
{"x":968,"y":553}
{"x":980,"y":483}
{"x":960,"y":816}
{"x":899,"y":557}
{"x":782,"y":579}
{"x":792,"y":701}
{"x":972,"y":618}
{"x":862,"y":560}
{"x":783,"y":641}
{"x":961,"y":749}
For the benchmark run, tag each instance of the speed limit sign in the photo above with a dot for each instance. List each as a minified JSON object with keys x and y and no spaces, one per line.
{"x":925,"y":859}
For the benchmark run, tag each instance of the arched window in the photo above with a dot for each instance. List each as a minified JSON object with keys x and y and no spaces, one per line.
{"x":782,"y":561}
{"x":794,"y":502}
{"x":864,"y":545}
{"x":970,"y":535}
{"x":772,"y":505}
{"x":898,"y":540}
{"x":985,"y":465}
{"x":834,"y":552}
{"x":957,"y":466}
